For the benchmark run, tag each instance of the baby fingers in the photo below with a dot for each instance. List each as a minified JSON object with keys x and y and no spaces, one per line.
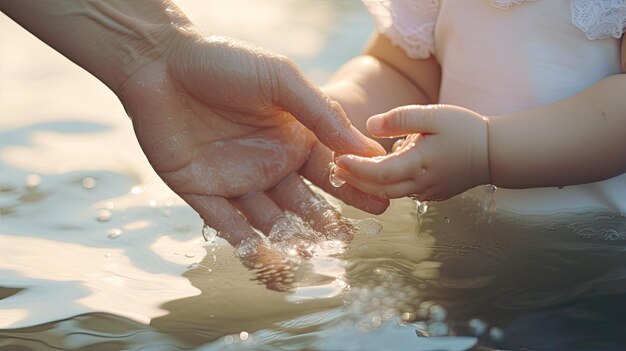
{"x":404,"y":120}
{"x":388,"y":169}
{"x":386,"y":191}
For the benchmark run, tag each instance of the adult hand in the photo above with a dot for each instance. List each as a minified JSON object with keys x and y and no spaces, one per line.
{"x":215,"y":117}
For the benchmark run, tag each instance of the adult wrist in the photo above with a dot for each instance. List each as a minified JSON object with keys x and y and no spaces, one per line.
{"x":110,"y":39}
{"x":145,"y":40}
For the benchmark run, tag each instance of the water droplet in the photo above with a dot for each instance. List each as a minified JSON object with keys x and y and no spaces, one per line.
{"x":438,"y":329}
{"x":421,"y":329}
{"x":114,"y":233}
{"x":492,"y":206}
{"x":109,"y":205}
{"x":408,"y":317}
{"x":496,"y":334}
{"x":369,"y":226}
{"x":490,"y":188}
{"x":437,"y":313}
{"x":489,"y":203}
{"x":209,"y":234}
{"x":244,"y":336}
{"x":477,"y":326}
{"x":376,"y":321}
{"x":422,"y":208}
{"x":167,"y":212}
{"x":228,"y":339}
{"x":136,"y":190}
{"x":104,"y":216}
{"x":33,"y":180}
{"x":88,"y":183}
{"x":335,"y":157}
{"x":190,"y":255}
{"x":152,"y":203}
{"x":333,"y":179}
{"x":446,"y":220}
{"x":248,"y":247}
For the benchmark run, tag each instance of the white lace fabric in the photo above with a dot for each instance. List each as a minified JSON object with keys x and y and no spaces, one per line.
{"x":599,"y":19}
{"x":410,"y":24}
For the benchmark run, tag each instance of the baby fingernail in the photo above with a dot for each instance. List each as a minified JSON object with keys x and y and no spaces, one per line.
{"x":375,"y":124}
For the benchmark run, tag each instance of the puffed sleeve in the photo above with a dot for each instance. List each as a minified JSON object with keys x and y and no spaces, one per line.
{"x":409,"y":24}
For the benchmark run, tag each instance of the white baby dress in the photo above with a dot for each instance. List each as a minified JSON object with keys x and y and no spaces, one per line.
{"x":561,"y":47}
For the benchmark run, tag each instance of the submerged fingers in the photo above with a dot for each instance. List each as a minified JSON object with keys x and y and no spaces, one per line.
{"x":296,"y":196}
{"x":221,"y":215}
{"x":260,"y":211}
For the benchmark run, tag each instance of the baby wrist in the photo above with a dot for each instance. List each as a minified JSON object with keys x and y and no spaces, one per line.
{"x":480,"y":170}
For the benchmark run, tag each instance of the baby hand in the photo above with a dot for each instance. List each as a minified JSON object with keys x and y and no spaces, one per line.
{"x":445,"y":153}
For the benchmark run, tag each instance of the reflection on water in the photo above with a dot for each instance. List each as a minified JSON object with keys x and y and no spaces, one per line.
{"x":540,"y":283}
{"x":96,"y":254}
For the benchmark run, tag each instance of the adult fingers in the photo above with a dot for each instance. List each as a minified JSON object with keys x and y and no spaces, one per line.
{"x":294,"y":195}
{"x":323,"y":116}
{"x":220,"y":214}
{"x":317,"y":171}
{"x":260,"y":211}
{"x":405,"y":120}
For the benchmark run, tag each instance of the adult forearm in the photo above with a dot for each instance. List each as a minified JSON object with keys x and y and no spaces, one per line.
{"x":578,"y":140}
{"x":110,"y":39}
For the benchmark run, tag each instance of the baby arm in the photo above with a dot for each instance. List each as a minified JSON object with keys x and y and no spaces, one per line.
{"x":383,"y":78}
{"x":577,"y":140}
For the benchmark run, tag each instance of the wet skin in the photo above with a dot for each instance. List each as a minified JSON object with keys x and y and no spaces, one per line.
{"x":213,"y":120}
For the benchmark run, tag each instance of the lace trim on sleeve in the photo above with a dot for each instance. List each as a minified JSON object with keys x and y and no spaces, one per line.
{"x":409,"y":24}
{"x":599,"y":19}
{"x":505,"y":4}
